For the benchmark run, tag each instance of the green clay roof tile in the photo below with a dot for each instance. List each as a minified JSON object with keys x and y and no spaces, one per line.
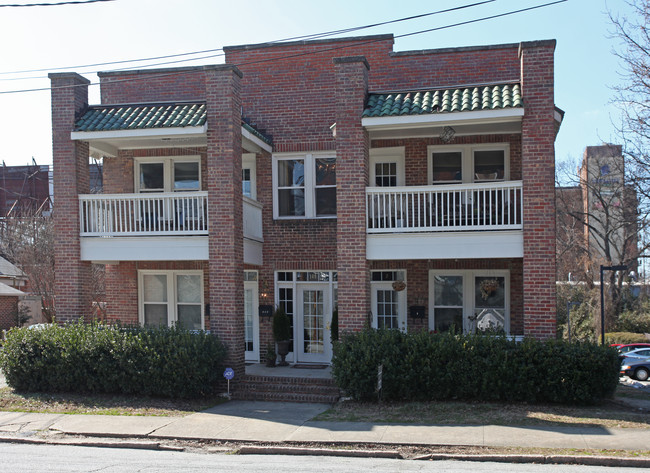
{"x":149,"y":116}
{"x":460,"y":99}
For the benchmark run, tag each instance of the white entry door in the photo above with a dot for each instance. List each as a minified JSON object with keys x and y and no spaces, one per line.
{"x":251,"y":321}
{"x":313,"y":317}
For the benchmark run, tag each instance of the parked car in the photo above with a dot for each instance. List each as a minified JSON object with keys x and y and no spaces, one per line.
{"x":636,"y":368}
{"x":622,"y":349}
{"x":638,"y":353}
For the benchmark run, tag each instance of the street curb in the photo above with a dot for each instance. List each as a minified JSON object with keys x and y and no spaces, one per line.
{"x":333,"y":452}
{"x":90,"y":443}
{"x":546,"y":459}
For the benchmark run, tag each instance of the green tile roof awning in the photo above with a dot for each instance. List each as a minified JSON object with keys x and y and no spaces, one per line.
{"x":256,"y":133}
{"x":142,"y":116}
{"x":467,"y":99}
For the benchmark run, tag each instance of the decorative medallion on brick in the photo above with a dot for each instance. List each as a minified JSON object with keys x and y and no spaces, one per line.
{"x":468,"y":99}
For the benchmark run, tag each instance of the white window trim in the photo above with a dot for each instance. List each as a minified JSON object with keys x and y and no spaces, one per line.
{"x":402,"y":317}
{"x":388,"y":155}
{"x":309,"y":184}
{"x":468,"y":291}
{"x":248,"y":162}
{"x":167,"y":162}
{"x":467,"y":160}
{"x":171,"y":293}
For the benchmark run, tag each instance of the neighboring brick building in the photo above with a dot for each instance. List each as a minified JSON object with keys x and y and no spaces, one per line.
{"x":24,"y":189}
{"x":412,"y":190}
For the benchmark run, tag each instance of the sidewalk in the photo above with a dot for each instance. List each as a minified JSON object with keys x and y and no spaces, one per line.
{"x":287,"y":422}
{"x":251,"y":421}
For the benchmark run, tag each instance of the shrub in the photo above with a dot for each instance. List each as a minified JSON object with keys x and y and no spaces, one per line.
{"x":626,"y":337}
{"x":281,"y":325}
{"x":424,"y":366}
{"x":634,"y":321}
{"x":96,"y":358}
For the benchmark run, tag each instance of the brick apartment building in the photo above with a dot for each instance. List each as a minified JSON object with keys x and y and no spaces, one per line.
{"x":410,"y":190}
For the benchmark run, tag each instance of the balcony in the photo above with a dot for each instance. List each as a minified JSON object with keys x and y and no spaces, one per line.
{"x":156,"y":227}
{"x":448,"y":221}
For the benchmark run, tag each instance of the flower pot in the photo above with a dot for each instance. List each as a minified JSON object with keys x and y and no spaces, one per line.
{"x":283,"y":351}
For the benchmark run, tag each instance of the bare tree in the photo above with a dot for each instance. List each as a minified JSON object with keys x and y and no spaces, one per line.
{"x":28,"y":241}
{"x":632,"y":96}
{"x":598,"y":222}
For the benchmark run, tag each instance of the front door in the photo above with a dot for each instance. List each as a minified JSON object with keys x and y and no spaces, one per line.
{"x":313,"y":316}
{"x":251,"y":320}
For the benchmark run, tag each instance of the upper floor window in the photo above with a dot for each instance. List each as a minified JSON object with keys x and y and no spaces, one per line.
{"x":386,"y":167}
{"x":168,"y":174}
{"x":470,"y":163}
{"x":249,"y":176}
{"x":304,"y":186}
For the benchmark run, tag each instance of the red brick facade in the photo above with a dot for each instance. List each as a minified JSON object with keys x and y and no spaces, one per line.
{"x":8,"y":310}
{"x":294,"y":93}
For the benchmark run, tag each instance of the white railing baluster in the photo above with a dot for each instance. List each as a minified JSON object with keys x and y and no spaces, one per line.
{"x":145,"y":214}
{"x":447,"y":207}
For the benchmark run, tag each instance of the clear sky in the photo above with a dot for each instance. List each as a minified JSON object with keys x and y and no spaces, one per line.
{"x":77,"y":35}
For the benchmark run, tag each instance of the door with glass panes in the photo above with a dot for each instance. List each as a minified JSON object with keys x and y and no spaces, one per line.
{"x":251,"y":318}
{"x":312,"y":323}
{"x":388,"y":299}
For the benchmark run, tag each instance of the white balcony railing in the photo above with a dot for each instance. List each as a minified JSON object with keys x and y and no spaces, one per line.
{"x":448,"y":207}
{"x":179,"y":213}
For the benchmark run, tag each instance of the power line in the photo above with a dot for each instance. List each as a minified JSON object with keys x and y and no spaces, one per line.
{"x":78,"y":2}
{"x":308,"y":53}
{"x":294,"y":38}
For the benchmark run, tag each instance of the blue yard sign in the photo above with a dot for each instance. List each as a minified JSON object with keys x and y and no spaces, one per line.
{"x":229,"y":373}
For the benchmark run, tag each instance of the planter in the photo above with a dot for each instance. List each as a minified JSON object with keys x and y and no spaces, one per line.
{"x":283,"y":351}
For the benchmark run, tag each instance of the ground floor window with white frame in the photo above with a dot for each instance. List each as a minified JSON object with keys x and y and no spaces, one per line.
{"x":469,"y":300}
{"x":171,"y":297}
{"x":388,"y":299}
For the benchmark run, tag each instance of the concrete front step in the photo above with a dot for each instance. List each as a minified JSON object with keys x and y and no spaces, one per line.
{"x":269,"y":388}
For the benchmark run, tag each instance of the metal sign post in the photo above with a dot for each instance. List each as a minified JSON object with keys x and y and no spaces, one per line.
{"x":229,"y":374}
{"x":380,"y":376}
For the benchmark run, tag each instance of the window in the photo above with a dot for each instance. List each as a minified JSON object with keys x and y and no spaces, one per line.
{"x":387,"y":167}
{"x":304,"y":186}
{"x":171,"y":297}
{"x":447,"y":166}
{"x":249,"y":176}
{"x":470,"y":163}
{"x":173,"y":174}
{"x":469,"y":301}
{"x":388,"y":299}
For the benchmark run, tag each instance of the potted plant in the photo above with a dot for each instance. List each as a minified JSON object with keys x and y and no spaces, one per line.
{"x":335,"y":325}
{"x":282,"y":333}
{"x":270,"y":355}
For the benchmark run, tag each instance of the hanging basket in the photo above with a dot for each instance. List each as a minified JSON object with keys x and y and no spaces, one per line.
{"x":399,"y":285}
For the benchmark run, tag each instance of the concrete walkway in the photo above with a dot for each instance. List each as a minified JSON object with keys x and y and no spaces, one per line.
{"x":286,"y":422}
{"x":291,"y":422}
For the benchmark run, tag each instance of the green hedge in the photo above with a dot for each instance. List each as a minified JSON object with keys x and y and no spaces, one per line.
{"x":424,"y":366}
{"x":625,"y":337}
{"x":96,"y":358}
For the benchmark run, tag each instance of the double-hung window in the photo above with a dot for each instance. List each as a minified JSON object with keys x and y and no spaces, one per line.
{"x":168,"y":174}
{"x":469,"y":163}
{"x":171,"y":297}
{"x":304,"y":186}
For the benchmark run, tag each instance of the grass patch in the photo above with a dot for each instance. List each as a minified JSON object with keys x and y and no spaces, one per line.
{"x":607,"y":415}
{"x":102,"y":404}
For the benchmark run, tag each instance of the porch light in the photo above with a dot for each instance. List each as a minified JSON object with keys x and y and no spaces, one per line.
{"x":447,"y":134}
